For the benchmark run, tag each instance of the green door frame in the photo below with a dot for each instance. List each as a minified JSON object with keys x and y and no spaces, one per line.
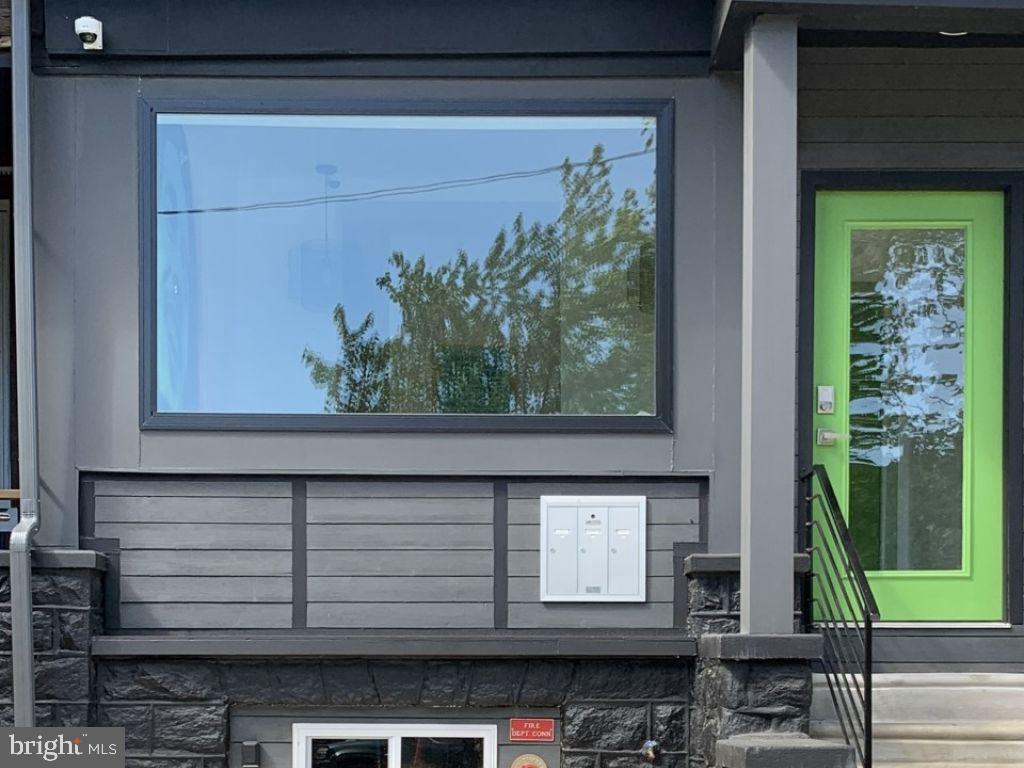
{"x":1012,"y":185}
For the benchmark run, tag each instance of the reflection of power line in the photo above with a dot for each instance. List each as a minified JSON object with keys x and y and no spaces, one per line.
{"x":375,"y":194}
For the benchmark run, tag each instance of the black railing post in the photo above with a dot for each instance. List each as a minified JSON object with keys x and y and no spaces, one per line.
{"x":842,"y":619}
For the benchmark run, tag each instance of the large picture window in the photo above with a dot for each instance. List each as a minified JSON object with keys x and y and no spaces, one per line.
{"x":390,"y":270}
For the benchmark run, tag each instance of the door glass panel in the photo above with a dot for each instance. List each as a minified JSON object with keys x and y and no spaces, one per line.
{"x":350,"y":753}
{"x":907,"y":397}
{"x":432,"y":752}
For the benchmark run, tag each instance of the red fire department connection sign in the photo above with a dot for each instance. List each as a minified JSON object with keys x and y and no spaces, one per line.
{"x":531,"y":729}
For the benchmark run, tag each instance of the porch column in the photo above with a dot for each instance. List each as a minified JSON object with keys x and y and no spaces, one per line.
{"x":768,"y":404}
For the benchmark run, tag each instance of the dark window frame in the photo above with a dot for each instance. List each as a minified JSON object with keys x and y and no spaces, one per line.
{"x":1011,"y":183}
{"x":660,"y":422}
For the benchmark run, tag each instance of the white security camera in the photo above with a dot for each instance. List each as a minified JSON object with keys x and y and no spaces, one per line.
{"x":90,"y":32}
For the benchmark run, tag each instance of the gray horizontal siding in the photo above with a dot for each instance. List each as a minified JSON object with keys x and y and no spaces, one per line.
{"x":402,"y":589}
{"x":440,"y":615}
{"x":190,"y":615}
{"x":401,"y":563}
{"x":673,"y":515}
{"x":385,"y":554}
{"x":396,"y":555}
{"x":905,"y":108}
{"x":207,"y":554}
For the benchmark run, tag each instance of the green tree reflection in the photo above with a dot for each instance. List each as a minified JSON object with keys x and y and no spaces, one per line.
{"x":557,"y":317}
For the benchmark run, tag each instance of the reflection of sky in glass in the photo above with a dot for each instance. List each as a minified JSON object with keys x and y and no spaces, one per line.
{"x":907,"y":338}
{"x":241,"y":293}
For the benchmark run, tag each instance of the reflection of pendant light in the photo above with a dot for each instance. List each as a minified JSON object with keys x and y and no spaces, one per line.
{"x":316,"y":269}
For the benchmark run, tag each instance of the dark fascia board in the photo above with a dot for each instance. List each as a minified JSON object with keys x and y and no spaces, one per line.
{"x":404,"y":645}
{"x":326,"y":28}
{"x":74,"y":559}
{"x":870,"y":23}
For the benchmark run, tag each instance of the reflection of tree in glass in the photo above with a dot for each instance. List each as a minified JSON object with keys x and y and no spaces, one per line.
{"x":556,"y":318}
{"x":907,"y":395}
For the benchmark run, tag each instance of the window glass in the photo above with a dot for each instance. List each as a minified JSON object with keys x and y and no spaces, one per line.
{"x":405,"y":264}
{"x":350,"y":753}
{"x":434,"y":752}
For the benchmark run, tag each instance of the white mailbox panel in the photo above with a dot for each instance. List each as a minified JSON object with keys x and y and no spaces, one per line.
{"x":624,"y":557}
{"x":560,"y":552}
{"x":593,"y":548}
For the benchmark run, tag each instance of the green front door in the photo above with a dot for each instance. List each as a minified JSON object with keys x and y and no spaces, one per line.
{"x":908,"y":386}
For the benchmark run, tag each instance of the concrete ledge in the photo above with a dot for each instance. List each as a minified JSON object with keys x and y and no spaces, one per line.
{"x":738,"y":647}
{"x":76,"y":559}
{"x":706,"y":563}
{"x":398,"y":645}
{"x":778,"y":750}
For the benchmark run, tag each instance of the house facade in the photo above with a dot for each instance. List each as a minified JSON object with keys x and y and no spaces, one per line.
{"x":492,"y":385}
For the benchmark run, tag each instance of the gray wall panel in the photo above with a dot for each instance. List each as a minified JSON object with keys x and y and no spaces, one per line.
{"x":401,"y":615}
{"x":401,"y":563}
{"x":460,"y":511}
{"x":188,"y":536}
{"x":194,"y":487}
{"x":575,"y":616}
{"x":55,"y":177}
{"x":207,"y":616}
{"x":167,"y":509}
{"x":213,"y":562}
{"x":390,"y":537}
{"x":401,"y":589}
{"x":210,"y":554}
{"x":205,"y":589}
{"x":400,"y":554}
{"x":343,"y":489}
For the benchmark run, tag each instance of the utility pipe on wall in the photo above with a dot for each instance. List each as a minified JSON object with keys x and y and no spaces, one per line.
{"x":25,"y":314}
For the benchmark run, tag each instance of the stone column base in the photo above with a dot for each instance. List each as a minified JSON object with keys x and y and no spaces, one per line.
{"x":749,"y":684}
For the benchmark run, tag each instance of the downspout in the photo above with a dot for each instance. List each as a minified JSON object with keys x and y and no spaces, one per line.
{"x":25,"y":342}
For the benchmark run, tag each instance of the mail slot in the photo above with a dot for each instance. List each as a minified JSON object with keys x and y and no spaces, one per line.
{"x":593,"y":548}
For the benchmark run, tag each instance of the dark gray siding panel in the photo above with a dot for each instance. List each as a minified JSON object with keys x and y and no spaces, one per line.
{"x":400,"y":554}
{"x":673,"y":515}
{"x":212,"y":554}
{"x":911,"y":108}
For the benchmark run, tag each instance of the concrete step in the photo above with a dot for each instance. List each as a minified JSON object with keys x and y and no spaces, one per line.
{"x":938,"y":720}
{"x":924,"y":697}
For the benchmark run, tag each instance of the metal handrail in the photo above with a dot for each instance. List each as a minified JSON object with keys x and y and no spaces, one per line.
{"x":841,"y":605}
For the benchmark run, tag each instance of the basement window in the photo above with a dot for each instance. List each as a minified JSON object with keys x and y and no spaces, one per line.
{"x":490,"y":268}
{"x":320,"y":745}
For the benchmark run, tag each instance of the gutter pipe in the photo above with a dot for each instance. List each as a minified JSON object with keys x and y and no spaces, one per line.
{"x":24,"y":309}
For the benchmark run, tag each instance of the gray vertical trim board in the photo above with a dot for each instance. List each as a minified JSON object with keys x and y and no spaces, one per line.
{"x":768,"y":401}
{"x":299,"y":586}
{"x":87,"y":507}
{"x":501,"y":555}
{"x":680,"y":583}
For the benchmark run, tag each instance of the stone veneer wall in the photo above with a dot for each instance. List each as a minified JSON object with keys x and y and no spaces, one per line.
{"x":66,"y":614}
{"x":175,"y":712}
{"x":738,"y":696}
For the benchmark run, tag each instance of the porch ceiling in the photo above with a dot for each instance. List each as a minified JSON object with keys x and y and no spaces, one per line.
{"x":872,"y":22}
